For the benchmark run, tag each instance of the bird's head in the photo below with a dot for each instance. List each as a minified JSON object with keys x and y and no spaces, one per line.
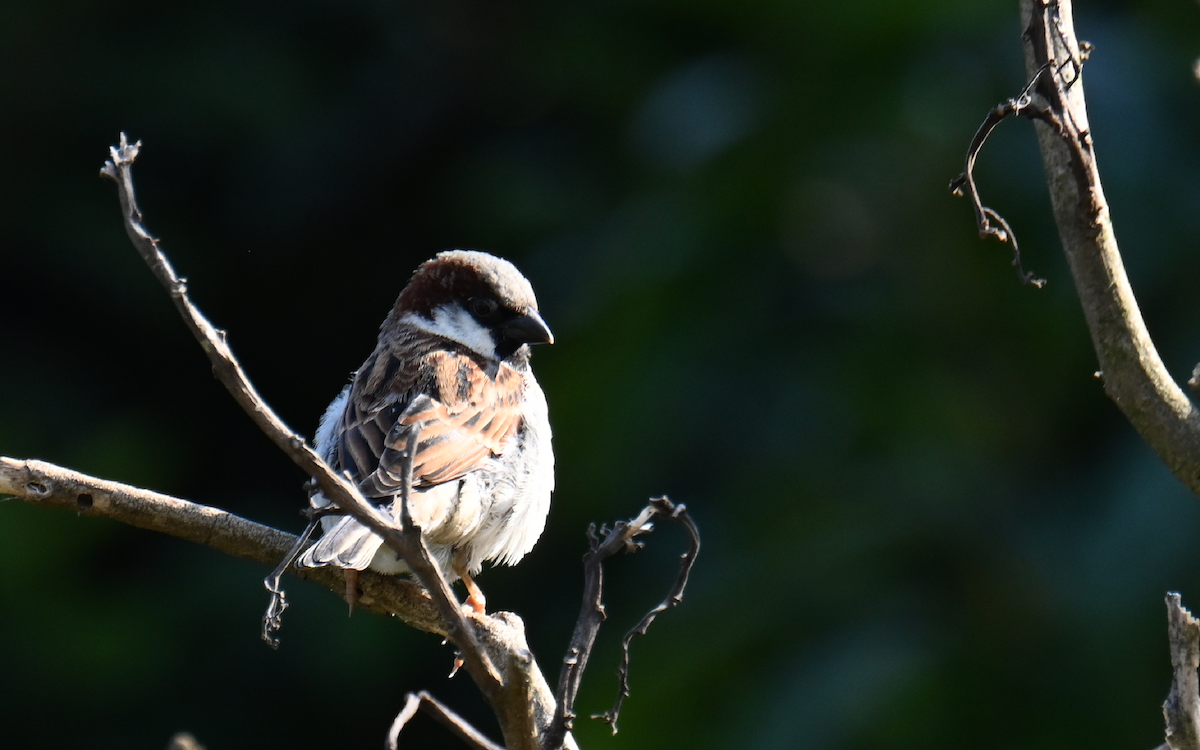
{"x":480,"y":301}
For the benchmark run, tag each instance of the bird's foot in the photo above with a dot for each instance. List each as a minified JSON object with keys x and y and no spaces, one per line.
{"x":475,"y":596}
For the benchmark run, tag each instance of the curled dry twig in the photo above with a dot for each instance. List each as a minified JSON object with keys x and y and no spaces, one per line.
{"x":1022,"y":105}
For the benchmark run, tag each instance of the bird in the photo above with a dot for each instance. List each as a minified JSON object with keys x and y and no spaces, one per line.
{"x":452,"y":360}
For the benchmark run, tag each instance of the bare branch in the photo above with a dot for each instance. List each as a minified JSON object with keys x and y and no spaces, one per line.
{"x":50,"y":486}
{"x":231,"y":375}
{"x":528,"y":714}
{"x":212,"y":340}
{"x":1133,"y":373}
{"x":438,"y":710}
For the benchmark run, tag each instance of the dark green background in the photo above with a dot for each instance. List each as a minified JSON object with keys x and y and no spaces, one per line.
{"x":924,"y":524}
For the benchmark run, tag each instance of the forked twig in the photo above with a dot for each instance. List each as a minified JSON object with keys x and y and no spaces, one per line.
{"x":679,"y":514}
{"x":621,"y":537}
{"x":425,"y":702}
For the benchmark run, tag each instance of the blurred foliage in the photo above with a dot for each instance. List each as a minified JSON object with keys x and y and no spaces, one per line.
{"x":924,"y":525}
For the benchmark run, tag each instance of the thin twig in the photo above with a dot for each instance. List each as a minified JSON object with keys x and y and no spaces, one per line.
{"x":1021,"y":105}
{"x":225,"y":366}
{"x":439,"y":711}
{"x":273,"y":619}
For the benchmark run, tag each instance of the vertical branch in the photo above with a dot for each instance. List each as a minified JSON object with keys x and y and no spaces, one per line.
{"x":1133,"y":373}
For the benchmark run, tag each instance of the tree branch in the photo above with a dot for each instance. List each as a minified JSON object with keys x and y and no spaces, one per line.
{"x":526,"y":698}
{"x":1133,"y":374}
{"x":50,"y":486}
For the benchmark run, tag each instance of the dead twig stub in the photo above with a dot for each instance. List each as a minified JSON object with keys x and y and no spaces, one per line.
{"x":1182,"y":707}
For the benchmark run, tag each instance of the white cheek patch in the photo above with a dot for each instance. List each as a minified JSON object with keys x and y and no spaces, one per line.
{"x":456,"y":324}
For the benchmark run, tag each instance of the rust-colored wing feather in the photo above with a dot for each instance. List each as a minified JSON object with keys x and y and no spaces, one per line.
{"x":467,"y":416}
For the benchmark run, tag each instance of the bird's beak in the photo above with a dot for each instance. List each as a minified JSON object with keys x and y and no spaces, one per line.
{"x":528,"y":328}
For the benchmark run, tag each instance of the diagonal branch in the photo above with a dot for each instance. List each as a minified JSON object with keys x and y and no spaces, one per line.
{"x":493,"y":649}
{"x":1134,"y":375}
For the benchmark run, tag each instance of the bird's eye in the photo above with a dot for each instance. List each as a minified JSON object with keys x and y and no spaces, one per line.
{"x":484,"y":307}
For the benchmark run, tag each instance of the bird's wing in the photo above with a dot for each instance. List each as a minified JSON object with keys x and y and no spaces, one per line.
{"x":466,"y":416}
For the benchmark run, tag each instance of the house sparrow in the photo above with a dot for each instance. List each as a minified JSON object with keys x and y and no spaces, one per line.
{"x":452,"y":355}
